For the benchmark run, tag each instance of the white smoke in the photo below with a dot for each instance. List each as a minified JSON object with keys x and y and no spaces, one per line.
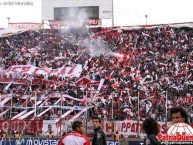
{"x":76,"y":18}
{"x":99,"y":47}
{"x":116,"y":54}
{"x":96,"y":46}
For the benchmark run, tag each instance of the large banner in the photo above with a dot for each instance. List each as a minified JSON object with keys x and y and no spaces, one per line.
{"x":39,"y":141}
{"x":29,"y":141}
{"x":43,"y":127}
{"x":55,"y":24}
{"x":20,"y":125}
{"x":73,"y":71}
{"x":31,"y":26}
{"x":128,"y":127}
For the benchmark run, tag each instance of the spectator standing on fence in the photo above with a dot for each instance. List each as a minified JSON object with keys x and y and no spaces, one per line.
{"x":99,"y":137}
{"x":76,"y":137}
{"x":150,"y":127}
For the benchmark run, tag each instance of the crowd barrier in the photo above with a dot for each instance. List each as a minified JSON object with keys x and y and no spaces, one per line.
{"x":29,"y":141}
{"x":54,"y":141}
{"x":39,"y":141}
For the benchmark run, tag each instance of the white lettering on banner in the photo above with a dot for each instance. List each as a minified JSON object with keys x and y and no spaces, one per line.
{"x":112,"y":142}
{"x":20,"y":141}
{"x":29,"y":142}
{"x":1,"y":142}
{"x":41,"y":142}
{"x":60,"y":24}
{"x":36,"y":142}
{"x":5,"y":125}
{"x":21,"y":124}
{"x":94,"y":22}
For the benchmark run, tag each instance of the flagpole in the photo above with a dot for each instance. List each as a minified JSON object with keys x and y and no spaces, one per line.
{"x":138,"y":109}
{"x":11,"y":112}
{"x":11,"y":105}
{"x":35,"y":105}
{"x":8,"y":18}
{"x":26,"y":97}
{"x":61,"y":104}
{"x":30,"y":93}
{"x":166,"y":105}
{"x":112,"y":110}
{"x":112,"y":105}
{"x":86,"y":111}
{"x":35,"y":114}
{"x":0,"y":98}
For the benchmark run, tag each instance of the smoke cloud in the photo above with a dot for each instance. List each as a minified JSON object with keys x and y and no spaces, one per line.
{"x":98,"y":47}
{"x":77,"y":27}
{"x":75,"y":18}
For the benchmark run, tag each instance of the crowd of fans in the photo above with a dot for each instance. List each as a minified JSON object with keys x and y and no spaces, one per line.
{"x":145,"y":68}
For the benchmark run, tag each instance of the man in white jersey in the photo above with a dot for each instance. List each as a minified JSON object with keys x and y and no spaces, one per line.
{"x":76,"y":137}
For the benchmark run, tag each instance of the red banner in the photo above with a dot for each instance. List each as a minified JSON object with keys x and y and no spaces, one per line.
{"x":73,"y":23}
{"x":19,"y":125}
{"x":94,"y":22}
{"x":186,"y":99}
{"x":133,"y":127}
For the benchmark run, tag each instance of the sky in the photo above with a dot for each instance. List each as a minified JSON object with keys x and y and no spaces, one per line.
{"x":126,"y":12}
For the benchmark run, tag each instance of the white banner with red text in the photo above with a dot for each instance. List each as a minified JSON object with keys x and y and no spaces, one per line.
{"x":71,"y":71}
{"x":31,"y":26}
